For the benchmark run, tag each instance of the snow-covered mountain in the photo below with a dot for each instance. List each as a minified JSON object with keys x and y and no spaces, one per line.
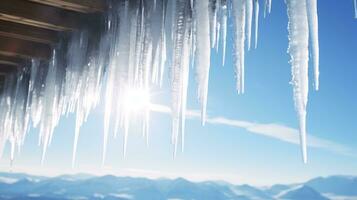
{"x":339,"y":185}
{"x":84,"y":186}
{"x":301,"y":192}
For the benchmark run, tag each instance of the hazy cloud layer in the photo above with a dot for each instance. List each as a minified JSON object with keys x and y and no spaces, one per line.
{"x":272,"y":130}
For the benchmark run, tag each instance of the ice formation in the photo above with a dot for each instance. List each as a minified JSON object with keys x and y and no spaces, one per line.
{"x":256,"y":21}
{"x":298,"y":48}
{"x":239,"y":15}
{"x":313,"y":26}
{"x":355,"y":4}
{"x":138,"y":41}
{"x":267,"y":6}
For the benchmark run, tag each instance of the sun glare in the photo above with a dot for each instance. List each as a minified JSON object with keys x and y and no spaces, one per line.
{"x":136,"y":99}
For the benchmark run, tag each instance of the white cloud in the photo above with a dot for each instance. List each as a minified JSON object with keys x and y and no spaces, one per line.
{"x":273,"y":130}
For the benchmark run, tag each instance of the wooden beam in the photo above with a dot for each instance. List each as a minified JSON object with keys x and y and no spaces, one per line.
{"x":84,"y":6}
{"x":6,"y":69}
{"x":13,"y":61}
{"x":2,"y":81}
{"x":23,"y":48}
{"x":39,"y":15}
{"x":5,"y":62}
{"x":25,"y":32}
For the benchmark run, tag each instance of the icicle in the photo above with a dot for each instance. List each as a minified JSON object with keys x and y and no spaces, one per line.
{"x":224,"y":31}
{"x":267,"y":7}
{"x":108,"y":108}
{"x":163,"y":44}
{"x":126,"y":133}
{"x":239,"y":12}
{"x":249,"y":14}
{"x":50,"y":114}
{"x":213,"y":21}
{"x":298,"y":49}
{"x":75,"y":83}
{"x":185,"y":75}
{"x":180,"y":70}
{"x":313,"y":25}
{"x":163,"y":59}
{"x":131,"y":53}
{"x":355,"y":3}
{"x":256,"y":16}
{"x":203,"y":53}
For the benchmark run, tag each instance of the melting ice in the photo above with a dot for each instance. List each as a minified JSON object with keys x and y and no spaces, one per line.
{"x":139,"y":43}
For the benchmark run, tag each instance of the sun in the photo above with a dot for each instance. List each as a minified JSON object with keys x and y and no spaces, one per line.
{"x":136,"y":99}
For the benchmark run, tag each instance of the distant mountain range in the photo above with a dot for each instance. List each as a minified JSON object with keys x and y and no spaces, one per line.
{"x":83,"y":186}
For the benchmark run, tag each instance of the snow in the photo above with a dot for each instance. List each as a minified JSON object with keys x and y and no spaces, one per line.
{"x":8,"y":180}
{"x":141,"y":43}
{"x":339,"y":197}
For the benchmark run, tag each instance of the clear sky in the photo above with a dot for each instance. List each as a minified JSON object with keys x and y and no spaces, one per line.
{"x":250,"y":138}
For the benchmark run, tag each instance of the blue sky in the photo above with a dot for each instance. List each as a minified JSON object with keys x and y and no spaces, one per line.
{"x":249,"y":138}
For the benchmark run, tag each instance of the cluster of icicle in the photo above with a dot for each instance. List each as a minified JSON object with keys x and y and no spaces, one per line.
{"x":139,"y":39}
{"x":45,"y":90}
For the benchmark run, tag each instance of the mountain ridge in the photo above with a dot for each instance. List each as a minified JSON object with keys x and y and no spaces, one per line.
{"x":87,"y":186}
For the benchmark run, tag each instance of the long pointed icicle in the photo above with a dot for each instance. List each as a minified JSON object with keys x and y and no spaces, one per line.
{"x":298,"y":49}
{"x":313,"y":25}
{"x":185,"y":62}
{"x":49,"y":116}
{"x":180,"y":71}
{"x":355,"y":3}
{"x":265,"y":8}
{"x":249,"y":4}
{"x":239,"y":13}
{"x":224,"y":31}
{"x":213,"y":22}
{"x":256,"y":16}
{"x":203,"y":53}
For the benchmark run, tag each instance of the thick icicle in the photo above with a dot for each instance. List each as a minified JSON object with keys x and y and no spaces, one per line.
{"x":224,"y":30}
{"x":203,"y":53}
{"x":239,"y":12}
{"x":50,"y":114}
{"x":269,"y":6}
{"x":180,"y":70}
{"x":299,"y":52}
{"x":249,"y":14}
{"x":213,"y":21}
{"x":313,"y":25}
